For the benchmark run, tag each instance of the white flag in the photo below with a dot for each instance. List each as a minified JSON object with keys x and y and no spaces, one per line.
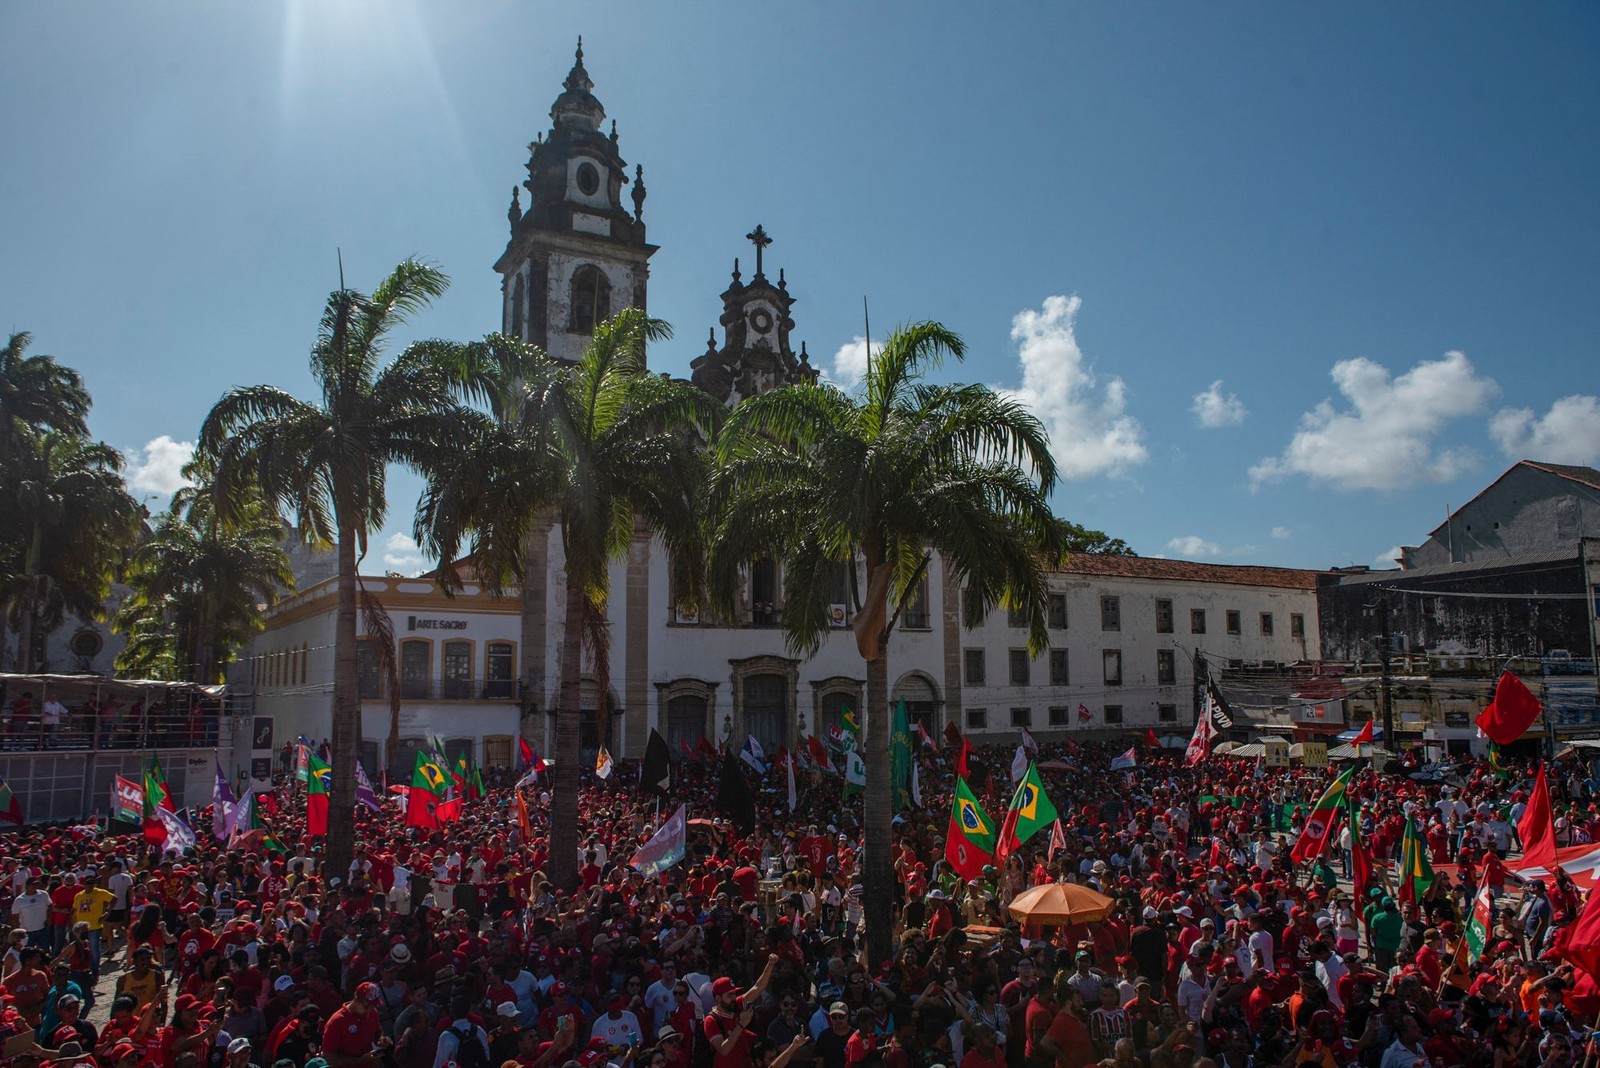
{"x":1019,"y":764}
{"x":855,"y":769}
{"x":1028,"y":743}
{"x":754,"y":755}
{"x":602,"y":764}
{"x":794,"y":796}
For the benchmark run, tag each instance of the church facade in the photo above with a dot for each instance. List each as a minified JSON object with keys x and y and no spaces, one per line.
{"x":478,"y":671}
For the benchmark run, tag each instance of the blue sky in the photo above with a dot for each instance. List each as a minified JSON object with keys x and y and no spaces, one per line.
{"x":1373,"y":227}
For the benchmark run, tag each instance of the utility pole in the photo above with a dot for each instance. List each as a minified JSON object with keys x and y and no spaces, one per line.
{"x":1388,"y":693}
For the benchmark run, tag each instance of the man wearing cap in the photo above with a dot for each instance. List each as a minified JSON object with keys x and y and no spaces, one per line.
{"x":350,"y":1038}
{"x":727,"y":1026}
{"x":618,"y":1027}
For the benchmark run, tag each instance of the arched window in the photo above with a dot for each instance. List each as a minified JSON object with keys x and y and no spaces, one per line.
{"x":518,"y":300}
{"x":591,"y":298}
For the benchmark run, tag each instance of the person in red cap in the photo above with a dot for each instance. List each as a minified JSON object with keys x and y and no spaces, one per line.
{"x":727,"y":1025}
{"x":186,"y":1032}
{"x":351,"y":1037}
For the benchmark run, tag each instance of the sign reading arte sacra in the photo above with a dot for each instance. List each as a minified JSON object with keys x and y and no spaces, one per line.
{"x":427,"y":623}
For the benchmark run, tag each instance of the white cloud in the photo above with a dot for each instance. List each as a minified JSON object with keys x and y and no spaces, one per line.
{"x":1385,"y":438}
{"x":160,"y":470}
{"x":1192,"y":546}
{"x":1282,"y":533}
{"x":1569,"y":433}
{"x":850,"y":362}
{"x":400,"y":553}
{"x":1217,"y":409}
{"x":1090,"y":434}
{"x":1391,"y":558}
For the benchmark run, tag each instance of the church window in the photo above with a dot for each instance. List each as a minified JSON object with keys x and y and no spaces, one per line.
{"x":588,"y":179}
{"x":591,"y":299}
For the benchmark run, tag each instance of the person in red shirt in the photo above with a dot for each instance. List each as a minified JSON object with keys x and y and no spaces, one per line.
{"x":985,"y":1051}
{"x":193,"y":942}
{"x":351,"y":1037}
{"x":1067,"y":1039}
{"x":727,"y":1025}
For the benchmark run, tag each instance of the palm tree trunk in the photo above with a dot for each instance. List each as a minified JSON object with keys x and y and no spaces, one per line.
{"x":346,"y":730}
{"x":878,"y":815}
{"x":563,"y":864}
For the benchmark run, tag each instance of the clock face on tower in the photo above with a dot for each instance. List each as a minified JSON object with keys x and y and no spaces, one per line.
{"x":761,"y":320}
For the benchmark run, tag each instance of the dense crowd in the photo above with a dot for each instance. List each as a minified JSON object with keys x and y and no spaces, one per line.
{"x":450,"y":948}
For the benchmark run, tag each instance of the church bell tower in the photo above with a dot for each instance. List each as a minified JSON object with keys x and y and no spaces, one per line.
{"x":755,"y":355}
{"x":576,"y":255}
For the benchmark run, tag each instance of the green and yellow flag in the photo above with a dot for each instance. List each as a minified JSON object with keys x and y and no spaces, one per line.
{"x":1030,"y":812}
{"x":900,"y":756}
{"x":1415,"y":874}
{"x":969,"y":842}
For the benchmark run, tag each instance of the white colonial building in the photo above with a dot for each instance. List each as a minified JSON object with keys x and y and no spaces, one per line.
{"x":1124,"y":631}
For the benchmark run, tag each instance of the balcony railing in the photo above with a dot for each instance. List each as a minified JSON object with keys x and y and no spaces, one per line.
{"x":85,"y":730}
{"x":441,"y":688}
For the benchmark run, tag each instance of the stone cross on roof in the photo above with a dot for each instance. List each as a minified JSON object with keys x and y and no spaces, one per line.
{"x":758,"y":237}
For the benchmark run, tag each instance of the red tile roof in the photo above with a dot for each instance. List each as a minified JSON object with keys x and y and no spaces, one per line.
{"x":1144,"y":567}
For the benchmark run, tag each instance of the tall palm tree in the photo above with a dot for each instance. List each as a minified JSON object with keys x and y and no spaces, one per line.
{"x":71,"y":521}
{"x":886,"y":477}
{"x":37,"y":393}
{"x":199,"y":583}
{"x":326,"y":463}
{"x":603,"y":447}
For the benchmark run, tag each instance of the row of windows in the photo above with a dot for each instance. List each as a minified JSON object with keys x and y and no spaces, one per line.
{"x":1062,"y":716}
{"x":1111,"y":617}
{"x":456,"y":680}
{"x":975,"y":671}
{"x":284,"y":667}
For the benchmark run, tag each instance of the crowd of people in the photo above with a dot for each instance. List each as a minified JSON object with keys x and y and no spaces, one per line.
{"x":450,"y":948}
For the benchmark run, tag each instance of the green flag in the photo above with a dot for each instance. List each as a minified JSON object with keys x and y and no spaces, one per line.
{"x":900,"y":756}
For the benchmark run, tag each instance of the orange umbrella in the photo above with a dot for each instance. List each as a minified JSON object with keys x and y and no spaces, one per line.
{"x":1055,"y":904}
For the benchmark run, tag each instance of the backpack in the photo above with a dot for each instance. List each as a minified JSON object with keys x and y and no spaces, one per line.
{"x":469,"y":1050}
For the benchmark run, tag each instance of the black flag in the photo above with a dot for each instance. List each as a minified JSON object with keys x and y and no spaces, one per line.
{"x":1217,"y":707}
{"x":734,"y":798}
{"x":655,"y":773}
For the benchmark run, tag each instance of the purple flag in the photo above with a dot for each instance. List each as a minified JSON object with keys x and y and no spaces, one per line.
{"x":223,"y":810}
{"x":364,"y":792}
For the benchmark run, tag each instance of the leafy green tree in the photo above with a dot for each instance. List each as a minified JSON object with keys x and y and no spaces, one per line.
{"x":198,"y":583}
{"x":606,"y":451}
{"x":37,"y":394}
{"x":887,"y":477}
{"x":1081,"y":539}
{"x":71,"y":523}
{"x":326,"y":462}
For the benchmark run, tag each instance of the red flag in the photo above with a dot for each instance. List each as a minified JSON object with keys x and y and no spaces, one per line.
{"x":524,"y":751}
{"x":1365,"y":737}
{"x":1537,"y":827}
{"x":819,"y":752}
{"x":952,"y":733}
{"x":1360,"y":867}
{"x":704,"y":748}
{"x":687,"y":752}
{"x":1150,"y":738}
{"x":1072,"y":746}
{"x":1580,"y":943}
{"x":1512,"y":711}
{"x":963,"y":768}
{"x":1084,"y":715}
{"x":523,"y":823}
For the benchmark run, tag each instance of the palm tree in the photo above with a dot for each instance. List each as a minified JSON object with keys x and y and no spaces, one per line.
{"x":199,"y":583}
{"x":71,"y":521}
{"x":37,"y":393}
{"x":326,"y":463}
{"x":885,"y":477}
{"x":601,"y":447}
